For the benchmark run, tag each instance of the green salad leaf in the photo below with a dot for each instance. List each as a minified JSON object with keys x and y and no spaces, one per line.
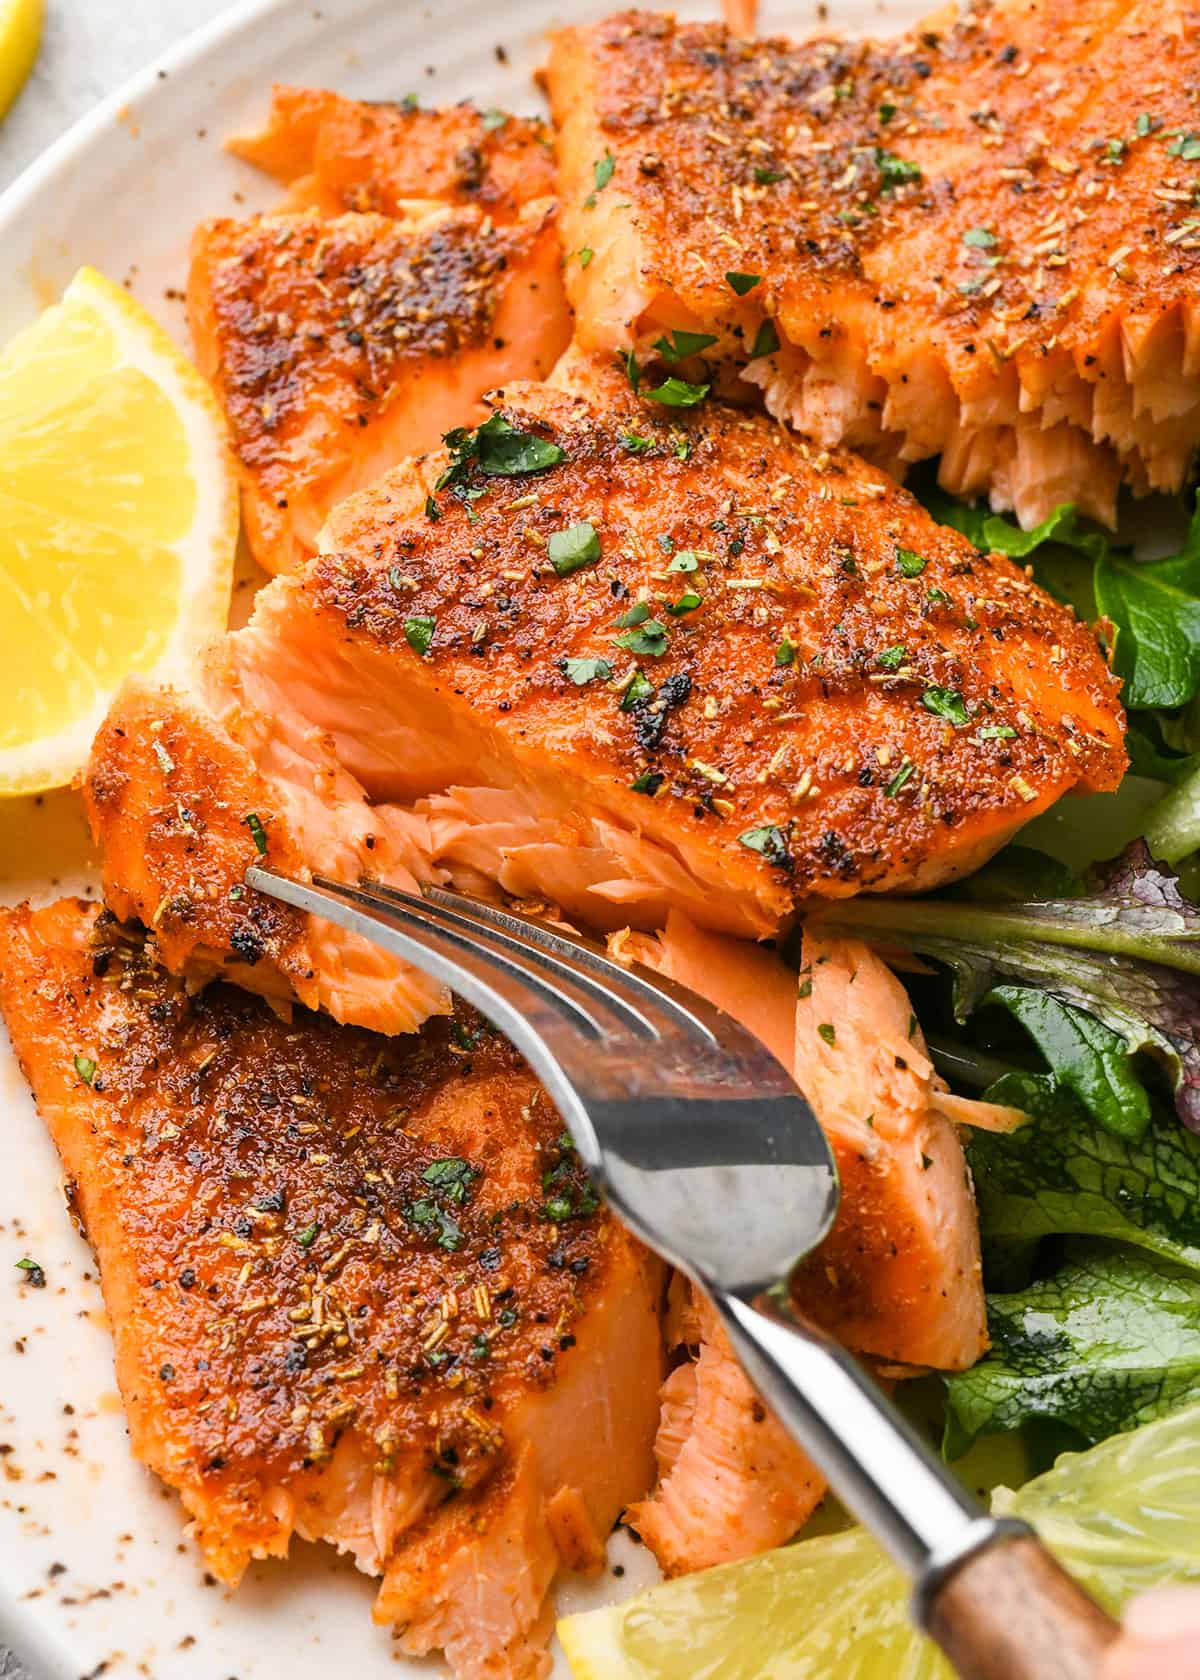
{"x":1111,"y":1341}
{"x":1065,"y":1174}
{"x":1124,"y":956}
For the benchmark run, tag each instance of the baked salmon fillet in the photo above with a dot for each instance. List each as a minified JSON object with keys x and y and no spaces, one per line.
{"x":339,"y":346}
{"x":977,"y":241}
{"x":898,"y":1279}
{"x":336,"y":154}
{"x":360,"y":1290}
{"x":620,"y":664}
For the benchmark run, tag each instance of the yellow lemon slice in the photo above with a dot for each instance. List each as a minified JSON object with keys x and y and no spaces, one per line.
{"x":20,"y":34}
{"x":1123,"y":1516}
{"x":118,"y":522}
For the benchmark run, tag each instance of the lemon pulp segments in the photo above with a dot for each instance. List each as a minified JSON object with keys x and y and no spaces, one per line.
{"x":1123,"y":1516}
{"x":117,"y":521}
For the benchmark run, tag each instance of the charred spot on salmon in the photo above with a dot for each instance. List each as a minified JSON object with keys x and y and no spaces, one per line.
{"x":246,"y":944}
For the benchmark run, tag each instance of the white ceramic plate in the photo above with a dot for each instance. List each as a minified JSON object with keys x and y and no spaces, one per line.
{"x":95,"y":1575}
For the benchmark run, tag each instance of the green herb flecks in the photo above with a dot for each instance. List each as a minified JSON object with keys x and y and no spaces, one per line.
{"x":946,"y":703}
{"x":901,"y":779}
{"x":583,"y":671}
{"x":891,"y":658}
{"x":766,"y":340}
{"x":683,"y":344}
{"x":496,"y":449}
{"x":452,"y":1176}
{"x":573,"y":548}
{"x":686,"y":603}
{"x":678,"y":393}
{"x":418,"y":633}
{"x":771,"y":841}
{"x":85,"y":1067}
{"x":742,"y":283}
{"x":910,"y":563}
{"x":638,"y":688}
{"x":896,"y":171}
{"x":650,"y":636}
{"x":35,"y":1273}
{"x":258,"y":832}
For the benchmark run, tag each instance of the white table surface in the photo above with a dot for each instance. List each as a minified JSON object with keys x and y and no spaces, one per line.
{"x":88,"y":49}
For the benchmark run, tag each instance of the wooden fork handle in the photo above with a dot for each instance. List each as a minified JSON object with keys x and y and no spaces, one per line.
{"x":1011,"y":1612}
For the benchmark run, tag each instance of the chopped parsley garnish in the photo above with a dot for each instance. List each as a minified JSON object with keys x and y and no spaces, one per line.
{"x":585,"y":255}
{"x":741,"y":283}
{"x":997,"y":732}
{"x":683,"y":448}
{"x":648,"y":782}
{"x":436,"y":1222}
{"x":1185,"y":146}
{"x":258,"y":833}
{"x":494,"y":119}
{"x":418,"y":633}
{"x":767,"y":177}
{"x":452,"y":1176}
{"x":982,"y":238}
{"x":1144,"y":125}
{"x":583,"y":671}
{"x":766,"y":340}
{"x":785,"y":653}
{"x":938,"y":598}
{"x":602,"y":171}
{"x":307,"y":1237}
{"x":632,"y":371}
{"x":946,"y":703}
{"x":577,"y":546}
{"x":892,"y":657}
{"x":686,"y":603}
{"x":683,"y":344}
{"x":827,"y":1031}
{"x":1114,"y":150}
{"x":896,"y":171}
{"x":410,"y":103}
{"x":432,"y":511}
{"x":687,"y":560}
{"x":35,"y":1275}
{"x":677,"y":393}
{"x":900,"y":778}
{"x":85,"y":1067}
{"x":910,"y":563}
{"x":770,"y":840}
{"x":639,"y":688}
{"x":499,"y":449}
{"x":636,"y":444}
{"x":650,"y":637}
{"x":886,"y":113}
{"x":638,"y":613}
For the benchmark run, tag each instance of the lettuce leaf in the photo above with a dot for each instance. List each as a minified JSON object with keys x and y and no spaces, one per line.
{"x":1065,"y":1174}
{"x":1110,"y":1341}
{"x":1124,"y":955}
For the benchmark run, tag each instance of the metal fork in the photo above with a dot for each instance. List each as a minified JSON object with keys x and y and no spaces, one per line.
{"x":706,"y":1149}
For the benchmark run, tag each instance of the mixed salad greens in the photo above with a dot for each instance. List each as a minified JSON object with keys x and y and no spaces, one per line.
{"x":1064,"y":980}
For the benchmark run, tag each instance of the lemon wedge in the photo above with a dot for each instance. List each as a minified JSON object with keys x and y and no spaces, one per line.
{"x":118,"y":522}
{"x":1123,"y":1516}
{"x":20,"y":35}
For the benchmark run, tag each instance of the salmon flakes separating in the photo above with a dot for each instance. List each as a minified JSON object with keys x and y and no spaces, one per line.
{"x":977,"y":241}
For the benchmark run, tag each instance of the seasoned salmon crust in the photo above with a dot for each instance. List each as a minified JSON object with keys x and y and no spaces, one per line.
{"x":662,"y":665}
{"x":360,"y":1289}
{"x":339,"y":347}
{"x":337,"y":154}
{"x":976,"y":241}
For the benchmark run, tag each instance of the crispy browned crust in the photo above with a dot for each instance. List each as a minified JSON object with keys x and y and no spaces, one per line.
{"x":309,"y":328}
{"x":248,"y":1187}
{"x":174,"y":804}
{"x":800,"y":553}
{"x":377,"y":156}
{"x":774,"y":158}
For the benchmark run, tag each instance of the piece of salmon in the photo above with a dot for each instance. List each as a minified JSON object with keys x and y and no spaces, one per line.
{"x":898,"y":1279}
{"x":338,"y":347}
{"x":337,"y":154}
{"x":348,"y":1278}
{"x":630,"y":665}
{"x":975,"y":241}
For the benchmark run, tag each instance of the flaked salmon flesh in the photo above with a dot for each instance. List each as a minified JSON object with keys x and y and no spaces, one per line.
{"x":348,"y":1278}
{"x":771,"y":679}
{"x":976,"y":241}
